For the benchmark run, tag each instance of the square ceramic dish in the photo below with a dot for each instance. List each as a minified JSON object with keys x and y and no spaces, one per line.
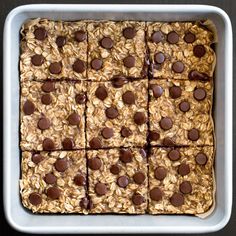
{"x":23,"y":220}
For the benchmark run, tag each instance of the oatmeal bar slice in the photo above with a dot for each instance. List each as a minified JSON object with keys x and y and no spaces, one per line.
{"x":116,"y":48}
{"x":180,"y":112}
{"x":117,"y":113}
{"x":54,"y":182}
{"x":118,"y":180}
{"x":180,"y":180}
{"x":180,"y":50}
{"x":52,"y":115}
{"x":53,"y":49}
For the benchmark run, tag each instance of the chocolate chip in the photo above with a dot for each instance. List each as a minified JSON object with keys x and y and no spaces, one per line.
{"x":100,"y":189}
{"x":157,"y":37}
{"x":74,"y":119}
{"x":101,"y":92}
{"x":185,"y":187}
{"x":177,"y":199}
{"x":168,"y":142}
{"x":48,"y":86}
{"x":60,"y":41}
{"x":143,"y":153}
{"x":174,"y":155}
{"x":94,"y":163}
{"x":40,"y":33}
{"x":61,"y":164}
{"x":199,"y":51}
{"x":111,"y":112}
{"x":119,"y":81}
{"x":172,"y":37}
{"x":153,"y":135}
{"x":50,"y":178}
{"x":129,"y":32}
{"x":199,"y":94}
{"x":79,"y":66}
{"x":86,"y":203}
{"x":201,"y":158}
{"x":126,"y":155}
{"x":55,"y":68}
{"x":35,"y":199}
{"x":140,"y":118}
{"x":128,"y":97}
{"x":46,"y":99}
{"x":80,"y":36}
{"x":175,"y":92}
{"x":193,"y":134}
{"x":53,"y":192}
{"x":139,"y":177}
{"x":95,"y":143}
{"x":166,"y":123}
{"x":178,"y":67}
{"x":68,"y":144}
{"x":80,"y":98}
{"x":156,"y":194}
{"x":138,"y":199}
{"x":157,"y":90}
{"x":159,"y":57}
{"x":125,"y":132}
{"x":107,"y":43}
{"x":184,"y":169}
{"x":28,"y":107}
{"x":129,"y":61}
{"x":44,"y":123}
{"x":37,"y":60}
{"x":189,"y":37}
{"x":122,"y":181}
{"x":96,"y":64}
{"x":184,"y":106}
{"x":80,"y":180}
{"x":196,"y":75}
{"x":36,"y":158}
{"x":115,"y":169}
{"x":107,"y":132}
{"x":160,"y":173}
{"x":48,"y":144}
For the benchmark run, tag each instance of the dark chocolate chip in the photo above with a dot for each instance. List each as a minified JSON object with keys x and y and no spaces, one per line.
{"x":156,"y":194}
{"x":139,"y":177}
{"x":61,"y":164}
{"x":50,"y":178}
{"x":95,"y":143}
{"x":94,"y":163}
{"x":68,"y":144}
{"x":128,"y":97}
{"x":122,"y":181}
{"x":48,"y":144}
{"x":80,"y":98}
{"x":100,"y":189}
{"x":40,"y":33}
{"x":177,"y":199}
{"x":196,"y":75}
{"x":48,"y":86}
{"x":60,"y":41}
{"x":157,"y":37}
{"x":129,"y":61}
{"x":175,"y":92}
{"x":126,"y":155}
{"x":185,"y":187}
{"x":96,"y":64}
{"x":172,"y":37}
{"x":140,"y":118}
{"x":55,"y":68}
{"x":153,"y":135}
{"x":168,"y":142}
{"x":199,"y":51}
{"x":107,"y":43}
{"x":79,"y":66}
{"x":189,"y":37}
{"x":44,"y":123}
{"x":74,"y":119}
{"x":37,"y":60}
{"x":129,"y":32}
{"x":157,"y":90}
{"x":184,"y":106}
{"x":184,"y":169}
{"x":118,"y":81}
{"x":174,"y":155}
{"x":101,"y":92}
{"x":112,"y":112}
{"x":178,"y":67}
{"x":138,"y":199}
{"x":115,"y":169}
{"x":160,"y":173}
{"x":28,"y":107}
{"x":35,"y":199}
{"x":159,"y":57}
{"x":199,"y":94}
{"x":125,"y":132}
{"x":46,"y":99}
{"x":86,"y":203}
{"x":166,"y":123}
{"x":80,"y":180}
{"x":80,"y":36}
{"x":201,"y":158}
{"x":36,"y":158}
{"x":193,"y":134}
{"x":53,"y":193}
{"x":107,"y":132}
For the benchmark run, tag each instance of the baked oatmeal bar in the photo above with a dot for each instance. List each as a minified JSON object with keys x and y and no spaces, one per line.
{"x":180,"y":50}
{"x":52,"y":115}
{"x":116,"y":48}
{"x":53,"y":49}
{"x":54,"y":182}
{"x":118,"y":180}
{"x":180,"y":180}
{"x":180,"y":112}
{"x":117,"y":113}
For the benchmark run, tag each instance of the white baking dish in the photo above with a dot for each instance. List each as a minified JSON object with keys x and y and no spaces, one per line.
{"x":23,"y":220}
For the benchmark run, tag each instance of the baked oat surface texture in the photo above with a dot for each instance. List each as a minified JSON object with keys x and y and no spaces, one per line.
{"x":116,"y":117}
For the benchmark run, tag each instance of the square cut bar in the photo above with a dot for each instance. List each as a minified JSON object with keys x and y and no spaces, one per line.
{"x":53,"y":49}
{"x":116,"y":48}
{"x":181,"y":180}
{"x":180,"y":111}
{"x":54,"y":182}
{"x":117,"y":117}
{"x":52,"y":115}
{"x":180,"y":50}
{"x":118,"y":180}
